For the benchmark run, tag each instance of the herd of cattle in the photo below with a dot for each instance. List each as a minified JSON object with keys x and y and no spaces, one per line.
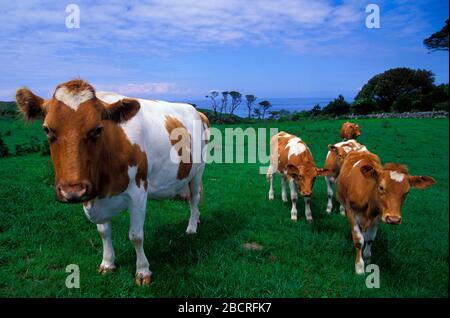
{"x":112,"y":153}
{"x":367,"y":190}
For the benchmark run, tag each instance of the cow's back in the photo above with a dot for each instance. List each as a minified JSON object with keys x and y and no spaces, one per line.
{"x":352,"y":185}
{"x":149,"y":129}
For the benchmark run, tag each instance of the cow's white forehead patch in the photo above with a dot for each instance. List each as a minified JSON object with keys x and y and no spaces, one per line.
{"x":295,"y":147}
{"x":396,"y":176}
{"x":71,"y":99}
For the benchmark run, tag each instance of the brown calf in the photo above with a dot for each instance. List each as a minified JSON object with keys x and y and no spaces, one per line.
{"x":291,"y":157}
{"x":350,"y":131}
{"x":370,"y":192}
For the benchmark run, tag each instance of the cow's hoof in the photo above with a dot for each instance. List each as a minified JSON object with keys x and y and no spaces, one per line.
{"x":310,"y":221}
{"x":143,"y":279}
{"x":106,"y":269}
{"x":359,"y":268}
{"x":191,"y":231}
{"x":329,"y":210}
{"x":294,"y":218}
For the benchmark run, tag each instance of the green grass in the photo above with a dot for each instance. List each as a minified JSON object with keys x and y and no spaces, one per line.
{"x":40,"y":237}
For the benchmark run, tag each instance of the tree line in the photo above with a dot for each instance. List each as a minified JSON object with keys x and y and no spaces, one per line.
{"x":226,"y":102}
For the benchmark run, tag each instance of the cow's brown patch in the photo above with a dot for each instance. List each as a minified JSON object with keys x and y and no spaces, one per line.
{"x":180,"y":136}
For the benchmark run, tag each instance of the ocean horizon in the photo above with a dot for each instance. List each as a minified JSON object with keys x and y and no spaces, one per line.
{"x":278,"y":103}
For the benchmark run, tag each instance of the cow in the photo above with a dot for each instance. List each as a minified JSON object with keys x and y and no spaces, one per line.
{"x":112,"y":153}
{"x":350,"y":131}
{"x":335,"y":156}
{"x":291,"y":157}
{"x":371,"y":192}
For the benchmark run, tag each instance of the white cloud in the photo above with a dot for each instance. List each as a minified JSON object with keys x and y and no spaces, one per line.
{"x":151,"y":89}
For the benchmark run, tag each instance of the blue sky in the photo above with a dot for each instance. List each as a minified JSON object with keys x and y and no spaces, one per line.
{"x":181,"y":49}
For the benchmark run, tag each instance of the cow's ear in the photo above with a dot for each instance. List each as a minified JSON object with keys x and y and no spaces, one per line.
{"x":122,"y":110}
{"x":421,"y":182}
{"x":323,"y":172}
{"x":31,"y":106}
{"x":292,"y":171}
{"x":369,"y":172}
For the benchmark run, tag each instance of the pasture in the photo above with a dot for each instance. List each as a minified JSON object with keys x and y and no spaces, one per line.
{"x":40,"y":237}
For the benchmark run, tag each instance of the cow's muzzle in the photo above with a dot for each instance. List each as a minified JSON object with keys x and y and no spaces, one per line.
{"x":394,"y":220}
{"x":74,"y":192}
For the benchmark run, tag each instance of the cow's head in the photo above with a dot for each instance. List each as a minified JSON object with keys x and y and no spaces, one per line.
{"x":339,"y":154}
{"x":393,"y":183}
{"x":351,"y":131}
{"x":76,"y":124}
{"x":305,"y":176}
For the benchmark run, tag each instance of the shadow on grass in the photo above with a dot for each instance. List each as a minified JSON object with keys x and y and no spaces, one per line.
{"x":168,"y":244}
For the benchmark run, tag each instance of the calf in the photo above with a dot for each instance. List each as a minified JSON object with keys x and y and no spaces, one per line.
{"x":371,"y":192}
{"x":350,"y":131}
{"x":335,"y":156}
{"x":112,"y":153}
{"x":291,"y":157}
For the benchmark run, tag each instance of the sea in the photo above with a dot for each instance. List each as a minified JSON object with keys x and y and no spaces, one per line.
{"x":290,"y":104}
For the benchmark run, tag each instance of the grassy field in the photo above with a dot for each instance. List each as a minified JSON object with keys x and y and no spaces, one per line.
{"x":40,"y":237}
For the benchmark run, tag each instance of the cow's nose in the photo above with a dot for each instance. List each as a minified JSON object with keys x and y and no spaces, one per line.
{"x":74,"y":192}
{"x":395,"y":220}
{"x":306,"y":193}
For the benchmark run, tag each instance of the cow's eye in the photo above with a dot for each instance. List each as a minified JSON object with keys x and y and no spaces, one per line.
{"x":49,"y":132}
{"x":381,"y":188}
{"x":95,"y":132}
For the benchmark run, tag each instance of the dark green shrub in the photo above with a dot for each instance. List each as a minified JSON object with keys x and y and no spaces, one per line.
{"x":4,"y":151}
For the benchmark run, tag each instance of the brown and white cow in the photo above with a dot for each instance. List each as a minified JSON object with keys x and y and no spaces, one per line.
{"x":335,"y":157}
{"x":291,"y":157}
{"x":112,"y":153}
{"x":371,"y":192}
{"x":350,"y":131}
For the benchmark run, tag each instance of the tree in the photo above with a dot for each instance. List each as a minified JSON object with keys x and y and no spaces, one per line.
{"x":257,"y":112}
{"x":224,"y":100}
{"x":386,"y":87}
{"x":250,"y":101}
{"x":214,"y":105}
{"x":402,"y":104}
{"x":364,"y":106}
{"x":337,"y":107}
{"x":265,"y":105}
{"x":438,"y":41}
{"x":315,"y":111}
{"x":236,"y":100}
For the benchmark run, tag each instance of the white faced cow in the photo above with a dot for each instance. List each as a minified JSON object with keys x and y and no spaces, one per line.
{"x":112,"y":153}
{"x":291,"y":157}
{"x":371,"y":192}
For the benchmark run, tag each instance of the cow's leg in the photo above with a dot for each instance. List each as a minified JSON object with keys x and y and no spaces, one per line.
{"x":308,"y":212}
{"x":136,"y":235}
{"x":283,"y":188}
{"x":342,"y":210}
{"x":195,"y":187}
{"x":358,"y":242}
{"x":369,"y":237}
{"x":107,"y":264}
{"x":330,"y":182}
{"x":293,"y":190}
{"x":269,"y":177}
